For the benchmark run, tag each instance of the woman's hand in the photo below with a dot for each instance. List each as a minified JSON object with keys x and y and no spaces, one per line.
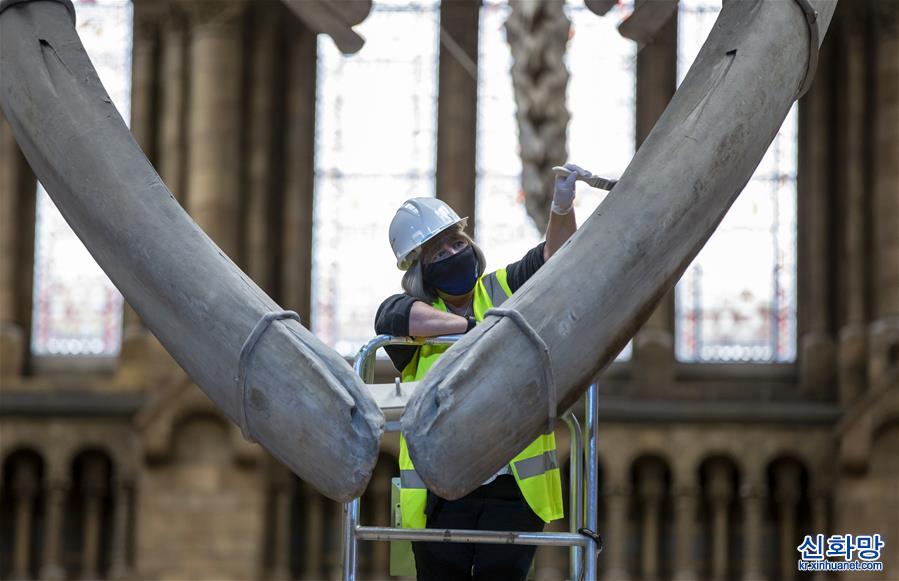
{"x":426,"y":321}
{"x":563,"y":195}
{"x":562,"y":222}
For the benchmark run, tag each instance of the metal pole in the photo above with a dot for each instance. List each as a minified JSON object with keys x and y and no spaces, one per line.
{"x":582,"y":547}
{"x":575,"y":491}
{"x":363,"y":367}
{"x":592,"y":463}
{"x":471,"y":536}
{"x":350,"y":544}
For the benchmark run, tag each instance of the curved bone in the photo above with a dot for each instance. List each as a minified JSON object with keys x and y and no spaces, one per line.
{"x":484,"y":400}
{"x":334,"y":18}
{"x":648,"y":17}
{"x":304,"y":403}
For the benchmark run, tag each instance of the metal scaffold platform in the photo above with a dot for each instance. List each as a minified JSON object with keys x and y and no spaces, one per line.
{"x":585,"y":544}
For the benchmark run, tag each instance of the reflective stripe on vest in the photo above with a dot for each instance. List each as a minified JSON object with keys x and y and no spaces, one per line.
{"x":530,"y":467}
{"x":495,"y":289}
{"x":410,"y":479}
{"x":536,"y":468}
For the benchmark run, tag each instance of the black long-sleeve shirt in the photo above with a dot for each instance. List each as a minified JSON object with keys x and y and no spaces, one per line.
{"x":392,"y":317}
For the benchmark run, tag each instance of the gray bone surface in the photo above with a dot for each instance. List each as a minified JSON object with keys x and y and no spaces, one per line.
{"x":484,"y":400}
{"x":334,"y":18}
{"x":304,"y":403}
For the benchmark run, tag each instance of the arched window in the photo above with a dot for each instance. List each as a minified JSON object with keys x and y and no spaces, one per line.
{"x":737,"y":300}
{"x":601,"y":101}
{"x":376,"y":115}
{"x":77,"y":310}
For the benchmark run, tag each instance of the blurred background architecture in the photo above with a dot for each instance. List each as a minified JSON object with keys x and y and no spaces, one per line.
{"x":758,"y":404}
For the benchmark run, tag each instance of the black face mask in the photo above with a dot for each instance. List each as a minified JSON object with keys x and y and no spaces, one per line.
{"x":455,"y":275}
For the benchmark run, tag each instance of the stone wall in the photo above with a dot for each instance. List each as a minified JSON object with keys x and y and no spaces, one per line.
{"x":708,"y":471}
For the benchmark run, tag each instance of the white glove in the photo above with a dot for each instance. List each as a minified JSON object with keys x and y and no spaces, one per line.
{"x":563,"y":195}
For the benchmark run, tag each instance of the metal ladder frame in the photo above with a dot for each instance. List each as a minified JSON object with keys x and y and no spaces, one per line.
{"x":585,"y":545}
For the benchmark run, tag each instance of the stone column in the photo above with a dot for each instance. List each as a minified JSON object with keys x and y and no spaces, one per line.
{"x":651,"y":490}
{"x":315,"y":526}
{"x":855,"y":188}
{"x":884,"y":331}
{"x":820,"y":503}
{"x":616,"y":499}
{"x":265,"y":90}
{"x":787,"y":495}
{"x":296,"y":242}
{"x":817,"y":351}
{"x":685,"y":504}
{"x":17,"y":198}
{"x":457,"y":106}
{"x":214,"y":128}
{"x":25,"y":489}
{"x":174,"y":94}
{"x":121,"y":530}
{"x":94,"y":487}
{"x":753,"y":504}
{"x":51,"y":566}
{"x":720,"y":495}
{"x":283,"y":494}
{"x":144,"y":75}
{"x":656,"y":83}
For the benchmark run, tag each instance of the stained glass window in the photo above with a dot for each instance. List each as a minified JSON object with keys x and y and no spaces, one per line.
{"x":77,"y":310}
{"x":376,"y":117}
{"x":737,"y":300}
{"x":600,"y":97}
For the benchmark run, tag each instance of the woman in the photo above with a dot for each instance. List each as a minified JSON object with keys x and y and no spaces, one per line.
{"x":446,"y":293}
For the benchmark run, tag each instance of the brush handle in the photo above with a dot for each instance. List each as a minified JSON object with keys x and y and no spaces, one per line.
{"x":593,"y":181}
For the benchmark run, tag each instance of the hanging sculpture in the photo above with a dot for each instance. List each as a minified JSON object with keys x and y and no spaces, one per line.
{"x":528,"y":362}
{"x":537,"y":31}
{"x":286,"y":389}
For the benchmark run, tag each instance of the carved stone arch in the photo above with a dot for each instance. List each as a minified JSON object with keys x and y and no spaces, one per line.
{"x":193,"y":437}
{"x":717,"y":455}
{"x":158,"y":422}
{"x":14,"y":443}
{"x":192,"y":484}
{"x":76,"y":449}
{"x":650,"y":511}
{"x":857,"y":429}
{"x":719,"y":476}
{"x":783,"y":453}
{"x":716,"y":465}
{"x":644,"y":453}
{"x":17,"y":449}
{"x":243,"y":450}
{"x":650,"y":474}
{"x":886,"y":424}
{"x":661,"y":460}
{"x":22,"y":505}
{"x":789,"y":509}
{"x":786,"y":455}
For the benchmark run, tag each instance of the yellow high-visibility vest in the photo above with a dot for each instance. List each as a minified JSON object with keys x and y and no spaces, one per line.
{"x":536,"y":468}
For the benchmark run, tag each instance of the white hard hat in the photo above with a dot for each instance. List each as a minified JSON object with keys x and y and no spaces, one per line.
{"x":417,"y":221}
